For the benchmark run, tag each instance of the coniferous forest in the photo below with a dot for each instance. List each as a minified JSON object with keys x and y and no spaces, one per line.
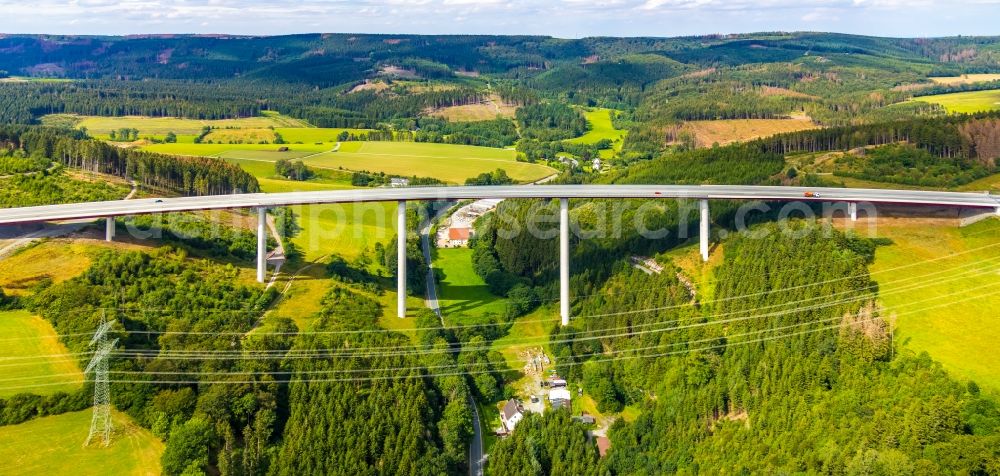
{"x":775,"y":357}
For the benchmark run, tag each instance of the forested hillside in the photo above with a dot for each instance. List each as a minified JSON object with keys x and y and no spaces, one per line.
{"x":774,"y":357}
{"x":187,"y":175}
{"x":834,"y":80}
{"x":775,"y":377}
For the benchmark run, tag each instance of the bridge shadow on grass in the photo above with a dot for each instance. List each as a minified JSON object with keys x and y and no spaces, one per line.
{"x":473,"y":301}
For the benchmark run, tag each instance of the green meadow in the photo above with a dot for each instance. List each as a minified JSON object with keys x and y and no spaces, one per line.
{"x":530,"y":331}
{"x":31,"y":354}
{"x":967,"y":102}
{"x":462,"y":294}
{"x":954,"y":317}
{"x":600,"y":128}
{"x":54,"y":445}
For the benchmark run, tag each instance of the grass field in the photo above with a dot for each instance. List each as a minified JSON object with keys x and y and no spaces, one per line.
{"x":239,"y":150}
{"x":965,"y":79}
{"x":348,"y":230}
{"x":161,"y":125}
{"x":29,"y":79}
{"x":600,"y":128}
{"x":310,"y":135}
{"x":529,"y":331}
{"x":447,"y":162}
{"x":26,"y":335}
{"x":991,"y":183}
{"x":954,"y":320}
{"x":737,"y":130}
{"x":245,"y":135}
{"x":461,"y":292}
{"x":53,"y":445}
{"x":57,"y":260}
{"x":967,"y":102}
{"x":344,"y":229}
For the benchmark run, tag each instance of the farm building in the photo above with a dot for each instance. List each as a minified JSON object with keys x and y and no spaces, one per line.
{"x":459,"y":236}
{"x":464,"y":217}
{"x":399,"y":182}
{"x":585,"y":418}
{"x":603,"y":445}
{"x":511,"y":414}
{"x":559,"y":397}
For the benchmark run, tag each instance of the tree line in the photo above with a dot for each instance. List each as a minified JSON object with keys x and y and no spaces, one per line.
{"x":185,"y":175}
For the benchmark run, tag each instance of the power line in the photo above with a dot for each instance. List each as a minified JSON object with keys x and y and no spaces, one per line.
{"x":360,"y":379}
{"x":317,"y":355}
{"x":355,"y":379}
{"x":456,"y":347}
{"x":399,"y":377}
{"x":163,"y":354}
{"x":363,"y":331}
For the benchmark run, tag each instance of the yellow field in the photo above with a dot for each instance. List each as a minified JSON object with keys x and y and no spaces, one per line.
{"x":26,"y":338}
{"x":53,"y":445}
{"x":309,"y":135}
{"x":966,"y":102}
{"x":965,"y":79}
{"x":777,"y":91}
{"x":241,"y":136}
{"x":250,"y":151}
{"x":447,"y":162}
{"x":57,"y":260}
{"x":484,"y":111}
{"x":737,"y":130}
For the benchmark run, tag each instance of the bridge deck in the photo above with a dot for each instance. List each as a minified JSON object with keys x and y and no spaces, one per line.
{"x":712,"y":192}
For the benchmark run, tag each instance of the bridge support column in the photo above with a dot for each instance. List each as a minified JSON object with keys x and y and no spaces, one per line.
{"x":109,"y":229}
{"x":703,"y":206}
{"x":564,"y":260}
{"x":261,"y":244}
{"x":852,"y":210}
{"x":401,"y":258}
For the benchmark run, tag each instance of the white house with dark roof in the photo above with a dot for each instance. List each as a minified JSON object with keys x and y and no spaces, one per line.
{"x":511,"y":415}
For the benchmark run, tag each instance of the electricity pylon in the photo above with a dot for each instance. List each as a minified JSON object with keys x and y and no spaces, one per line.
{"x":100,"y":423}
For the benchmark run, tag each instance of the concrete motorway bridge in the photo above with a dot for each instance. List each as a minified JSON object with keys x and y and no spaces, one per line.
{"x":703,"y":193}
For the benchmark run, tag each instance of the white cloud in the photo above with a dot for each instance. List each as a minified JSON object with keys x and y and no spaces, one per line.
{"x":553,"y":17}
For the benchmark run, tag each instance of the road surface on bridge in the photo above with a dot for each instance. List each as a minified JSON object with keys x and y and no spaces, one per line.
{"x":711,"y":192}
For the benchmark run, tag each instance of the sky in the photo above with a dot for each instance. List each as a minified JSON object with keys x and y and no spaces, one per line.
{"x":560,"y":18}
